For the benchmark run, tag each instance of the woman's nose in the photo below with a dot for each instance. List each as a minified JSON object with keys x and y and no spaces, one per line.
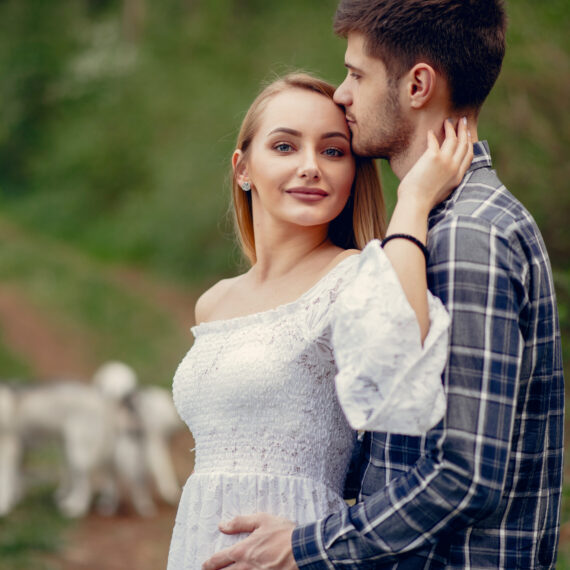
{"x":309,"y":168}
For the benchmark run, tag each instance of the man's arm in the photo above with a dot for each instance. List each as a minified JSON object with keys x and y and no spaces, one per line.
{"x":478,"y":275}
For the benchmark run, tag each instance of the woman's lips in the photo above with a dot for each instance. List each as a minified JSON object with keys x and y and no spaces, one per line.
{"x":304,"y":193}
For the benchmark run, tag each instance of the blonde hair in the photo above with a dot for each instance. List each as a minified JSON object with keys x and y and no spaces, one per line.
{"x":363,"y":217}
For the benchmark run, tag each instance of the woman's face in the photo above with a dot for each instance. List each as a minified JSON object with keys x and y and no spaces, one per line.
{"x":300,"y":163}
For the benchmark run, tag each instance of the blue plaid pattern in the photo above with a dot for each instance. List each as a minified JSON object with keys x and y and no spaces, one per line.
{"x":483,"y":488}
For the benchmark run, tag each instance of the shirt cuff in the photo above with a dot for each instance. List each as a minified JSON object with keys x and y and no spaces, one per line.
{"x":308,"y":549}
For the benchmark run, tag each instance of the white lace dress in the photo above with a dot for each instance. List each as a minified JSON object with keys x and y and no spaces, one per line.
{"x":267,"y":397}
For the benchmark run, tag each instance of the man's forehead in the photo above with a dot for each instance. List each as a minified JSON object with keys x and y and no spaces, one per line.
{"x":355,"y":45}
{"x":357,"y":56}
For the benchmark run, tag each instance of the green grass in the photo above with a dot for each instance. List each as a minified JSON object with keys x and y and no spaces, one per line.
{"x":87,"y":299}
{"x":31,"y":532}
{"x":34,"y":530}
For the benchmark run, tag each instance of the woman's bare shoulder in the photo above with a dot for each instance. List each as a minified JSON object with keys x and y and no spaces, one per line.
{"x":340,"y":256}
{"x":211,"y":298}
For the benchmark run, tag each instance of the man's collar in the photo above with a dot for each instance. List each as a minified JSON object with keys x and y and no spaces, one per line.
{"x":481,"y":156}
{"x":481,"y":159}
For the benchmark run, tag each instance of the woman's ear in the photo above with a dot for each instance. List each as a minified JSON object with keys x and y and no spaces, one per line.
{"x":239,"y":167}
{"x":422,"y":82}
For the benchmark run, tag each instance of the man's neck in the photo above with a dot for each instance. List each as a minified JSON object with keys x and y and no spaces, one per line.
{"x":404,"y":161}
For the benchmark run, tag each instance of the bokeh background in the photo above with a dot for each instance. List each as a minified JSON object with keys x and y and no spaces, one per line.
{"x":117,"y":122}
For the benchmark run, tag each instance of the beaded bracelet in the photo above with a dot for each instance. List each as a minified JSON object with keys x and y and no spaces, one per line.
{"x":409,"y":238}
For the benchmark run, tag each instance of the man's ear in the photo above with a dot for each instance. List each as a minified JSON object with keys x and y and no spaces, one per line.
{"x":239,"y":167}
{"x":421,"y":84}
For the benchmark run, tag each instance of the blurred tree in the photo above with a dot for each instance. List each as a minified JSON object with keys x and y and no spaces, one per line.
{"x":119,"y":116}
{"x":36,"y":43}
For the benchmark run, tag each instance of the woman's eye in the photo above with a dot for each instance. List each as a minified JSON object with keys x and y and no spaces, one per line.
{"x":333,"y":152}
{"x":283,"y":147}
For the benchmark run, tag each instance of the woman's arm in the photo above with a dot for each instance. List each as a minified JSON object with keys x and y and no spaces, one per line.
{"x":437,"y":172}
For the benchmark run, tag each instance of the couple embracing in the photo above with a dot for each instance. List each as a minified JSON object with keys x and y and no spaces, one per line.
{"x":415,"y":368}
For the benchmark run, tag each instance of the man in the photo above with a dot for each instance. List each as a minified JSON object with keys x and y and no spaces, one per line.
{"x":482,"y":489}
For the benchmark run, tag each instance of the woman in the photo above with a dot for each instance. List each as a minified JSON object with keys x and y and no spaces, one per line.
{"x":313,"y":315}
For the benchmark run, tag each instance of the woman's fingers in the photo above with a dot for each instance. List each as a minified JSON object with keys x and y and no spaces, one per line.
{"x":449,"y":144}
{"x":461,"y":145}
{"x":463,"y":137}
{"x":432,"y":142}
{"x":464,"y":150}
{"x":455,"y":140}
{"x":457,"y":146}
{"x":468,"y":157}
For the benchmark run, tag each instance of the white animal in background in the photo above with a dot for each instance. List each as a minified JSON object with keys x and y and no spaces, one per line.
{"x":77,"y":414}
{"x":158,"y":421}
{"x":115,"y":437}
{"x":116,"y":380}
{"x":10,"y":452}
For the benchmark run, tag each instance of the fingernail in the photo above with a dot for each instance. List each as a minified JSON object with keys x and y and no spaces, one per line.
{"x":464,"y":120}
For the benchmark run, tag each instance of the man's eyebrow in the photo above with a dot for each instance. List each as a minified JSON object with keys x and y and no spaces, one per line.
{"x":295,"y":133}
{"x":352,"y":67}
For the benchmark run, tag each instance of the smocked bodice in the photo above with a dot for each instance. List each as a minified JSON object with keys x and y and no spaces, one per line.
{"x":258,"y":394}
{"x":269,"y":398}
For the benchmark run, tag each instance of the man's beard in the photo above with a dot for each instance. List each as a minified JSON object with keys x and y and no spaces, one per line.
{"x":392,"y":136}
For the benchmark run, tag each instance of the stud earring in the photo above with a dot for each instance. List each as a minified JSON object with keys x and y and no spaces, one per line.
{"x":246,"y":186}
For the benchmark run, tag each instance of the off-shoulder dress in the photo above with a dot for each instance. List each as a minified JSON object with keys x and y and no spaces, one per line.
{"x":273,"y":399}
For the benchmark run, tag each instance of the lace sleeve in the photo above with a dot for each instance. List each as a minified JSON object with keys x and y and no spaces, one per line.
{"x":386,"y":380}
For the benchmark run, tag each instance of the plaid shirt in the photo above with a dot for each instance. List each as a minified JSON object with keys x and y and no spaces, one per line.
{"x":482,"y":489}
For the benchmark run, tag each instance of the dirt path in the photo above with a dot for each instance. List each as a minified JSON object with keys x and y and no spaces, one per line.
{"x":50,"y":350}
{"x":121,"y":543}
{"x":125,"y":541}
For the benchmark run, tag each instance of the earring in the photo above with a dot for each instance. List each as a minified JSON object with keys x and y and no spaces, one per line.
{"x":246,"y":186}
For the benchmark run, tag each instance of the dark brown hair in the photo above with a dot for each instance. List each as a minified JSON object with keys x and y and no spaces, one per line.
{"x":464,"y":40}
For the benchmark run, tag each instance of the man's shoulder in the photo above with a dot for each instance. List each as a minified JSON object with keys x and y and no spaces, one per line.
{"x":483,"y":203}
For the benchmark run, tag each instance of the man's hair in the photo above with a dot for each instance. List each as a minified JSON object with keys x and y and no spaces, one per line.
{"x":464,"y":40}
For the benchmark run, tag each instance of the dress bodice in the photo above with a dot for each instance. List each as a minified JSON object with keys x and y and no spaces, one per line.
{"x":258,"y":392}
{"x":273,"y":399}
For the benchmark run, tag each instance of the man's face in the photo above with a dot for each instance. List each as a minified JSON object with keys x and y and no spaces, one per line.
{"x":372,"y":106}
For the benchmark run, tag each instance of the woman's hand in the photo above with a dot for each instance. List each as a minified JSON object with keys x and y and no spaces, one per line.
{"x":440,"y":169}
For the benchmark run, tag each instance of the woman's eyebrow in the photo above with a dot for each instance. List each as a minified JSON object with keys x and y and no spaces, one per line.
{"x":296,"y":133}
{"x":335,"y":134}
{"x":286,"y":131}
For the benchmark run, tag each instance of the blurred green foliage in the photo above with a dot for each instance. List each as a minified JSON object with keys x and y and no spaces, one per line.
{"x":120,"y":141}
{"x":117,"y":125}
{"x":117,"y":129}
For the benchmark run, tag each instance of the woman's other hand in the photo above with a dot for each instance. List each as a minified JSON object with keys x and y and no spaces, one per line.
{"x":440,"y":169}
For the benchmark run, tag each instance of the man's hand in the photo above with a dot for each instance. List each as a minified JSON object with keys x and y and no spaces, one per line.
{"x":268,"y":547}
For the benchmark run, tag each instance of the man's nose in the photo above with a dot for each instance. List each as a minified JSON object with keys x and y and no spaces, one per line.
{"x":341,"y":95}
